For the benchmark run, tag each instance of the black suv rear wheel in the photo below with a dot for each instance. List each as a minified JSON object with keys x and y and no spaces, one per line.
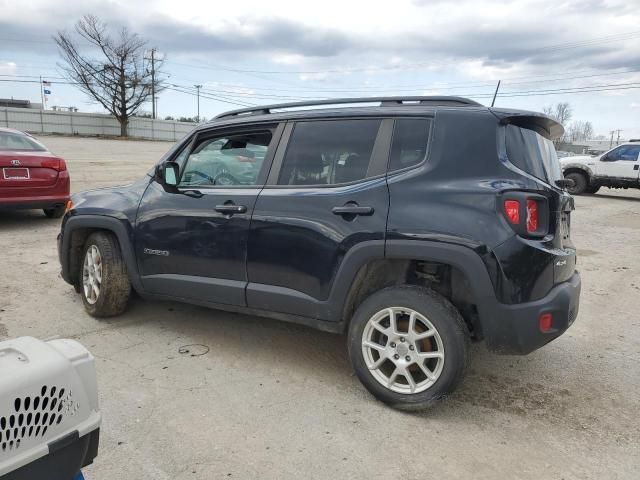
{"x":104,"y":282}
{"x":408,"y":346}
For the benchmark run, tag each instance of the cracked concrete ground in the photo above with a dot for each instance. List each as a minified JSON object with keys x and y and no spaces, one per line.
{"x":272,"y":400}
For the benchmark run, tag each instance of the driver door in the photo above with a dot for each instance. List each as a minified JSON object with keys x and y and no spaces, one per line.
{"x":191,"y":240}
{"x":621,"y":162}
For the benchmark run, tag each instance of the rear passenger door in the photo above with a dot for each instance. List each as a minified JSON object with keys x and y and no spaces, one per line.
{"x":325,"y":197}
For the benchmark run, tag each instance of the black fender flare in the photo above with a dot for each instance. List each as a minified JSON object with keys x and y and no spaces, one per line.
{"x":461,"y":256}
{"x":120,"y":228}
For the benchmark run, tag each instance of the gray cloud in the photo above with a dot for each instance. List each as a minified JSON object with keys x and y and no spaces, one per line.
{"x":249,"y":37}
{"x":265,"y":35}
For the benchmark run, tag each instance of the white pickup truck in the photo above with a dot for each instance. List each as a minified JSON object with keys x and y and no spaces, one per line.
{"x":617,"y":168}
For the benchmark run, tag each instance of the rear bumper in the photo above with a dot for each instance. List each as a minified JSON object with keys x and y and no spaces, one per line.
{"x":47,"y":201}
{"x":514,"y":329}
{"x":37,"y":197}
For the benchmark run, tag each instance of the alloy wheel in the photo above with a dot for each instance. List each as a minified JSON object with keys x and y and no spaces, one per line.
{"x":403,"y":350}
{"x":92,"y":274}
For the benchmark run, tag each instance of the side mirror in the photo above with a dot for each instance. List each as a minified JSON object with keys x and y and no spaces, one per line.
{"x":168,"y":173}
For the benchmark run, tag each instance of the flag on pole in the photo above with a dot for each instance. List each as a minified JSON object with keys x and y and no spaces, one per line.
{"x":47,"y":92}
{"x":46,"y":84}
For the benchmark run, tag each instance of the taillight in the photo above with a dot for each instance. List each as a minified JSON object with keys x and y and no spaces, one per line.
{"x":532,"y":216}
{"x":55,"y":164}
{"x":512,"y":211}
{"x":527,"y":213}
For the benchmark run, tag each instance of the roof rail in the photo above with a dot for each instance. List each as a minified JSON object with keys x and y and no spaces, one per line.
{"x":384,"y":102}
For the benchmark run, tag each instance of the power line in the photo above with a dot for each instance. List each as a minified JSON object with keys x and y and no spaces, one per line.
{"x":211,"y":97}
{"x":229,"y":98}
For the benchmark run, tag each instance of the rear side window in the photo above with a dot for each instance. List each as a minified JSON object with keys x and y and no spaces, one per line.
{"x":329,"y":152}
{"x":533,"y":153}
{"x":410,"y":141}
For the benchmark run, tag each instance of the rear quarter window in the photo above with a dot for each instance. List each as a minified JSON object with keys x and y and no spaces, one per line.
{"x":410,"y":142}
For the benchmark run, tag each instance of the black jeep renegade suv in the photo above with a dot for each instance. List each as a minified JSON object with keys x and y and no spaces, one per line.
{"x":415,"y":225}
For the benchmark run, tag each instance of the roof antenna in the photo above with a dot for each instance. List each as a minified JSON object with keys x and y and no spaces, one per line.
{"x":495,"y":94}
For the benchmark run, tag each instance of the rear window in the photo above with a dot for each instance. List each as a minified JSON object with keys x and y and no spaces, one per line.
{"x":533,"y":153}
{"x":17,"y":141}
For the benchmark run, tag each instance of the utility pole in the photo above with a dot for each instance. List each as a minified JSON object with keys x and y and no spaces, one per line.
{"x":198,"y":87}
{"x":42,"y":93}
{"x":153,"y":83}
{"x":611,"y":141}
{"x":495,"y":94}
{"x":618,"y":139}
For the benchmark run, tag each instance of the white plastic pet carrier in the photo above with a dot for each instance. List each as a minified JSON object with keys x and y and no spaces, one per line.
{"x":49,"y":417}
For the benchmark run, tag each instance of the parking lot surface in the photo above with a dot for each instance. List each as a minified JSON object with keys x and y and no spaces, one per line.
{"x":192,"y":393}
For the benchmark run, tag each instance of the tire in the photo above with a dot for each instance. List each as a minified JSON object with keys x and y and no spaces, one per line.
{"x":113,"y":286}
{"x":451,"y":340}
{"x":55,"y":212}
{"x":592,"y":189}
{"x":581,"y":182}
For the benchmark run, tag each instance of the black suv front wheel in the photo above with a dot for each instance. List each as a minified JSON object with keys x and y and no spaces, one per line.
{"x":408,"y":346}
{"x":104,"y":283}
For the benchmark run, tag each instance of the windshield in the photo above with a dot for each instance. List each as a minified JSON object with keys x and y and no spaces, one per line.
{"x":18,"y":141}
{"x":533,"y":153}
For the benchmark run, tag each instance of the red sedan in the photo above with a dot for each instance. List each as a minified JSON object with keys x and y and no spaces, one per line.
{"x":30,"y":175}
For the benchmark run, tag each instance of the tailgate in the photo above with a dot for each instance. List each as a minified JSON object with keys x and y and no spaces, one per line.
{"x":565,"y":263}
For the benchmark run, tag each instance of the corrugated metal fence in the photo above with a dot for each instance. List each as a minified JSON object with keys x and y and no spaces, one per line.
{"x":77,"y":123}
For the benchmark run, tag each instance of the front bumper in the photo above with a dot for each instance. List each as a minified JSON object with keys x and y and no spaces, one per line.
{"x":514,"y":329}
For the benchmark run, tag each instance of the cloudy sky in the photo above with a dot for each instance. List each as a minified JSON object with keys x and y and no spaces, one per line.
{"x":585,"y":52}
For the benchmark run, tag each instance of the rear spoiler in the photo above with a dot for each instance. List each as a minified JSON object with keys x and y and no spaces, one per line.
{"x":542,"y":124}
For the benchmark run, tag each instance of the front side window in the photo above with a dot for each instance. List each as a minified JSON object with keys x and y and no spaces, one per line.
{"x":16,"y":141}
{"x":627,"y":153}
{"x":409,"y":145}
{"x":329,"y":152}
{"x":225,"y":160}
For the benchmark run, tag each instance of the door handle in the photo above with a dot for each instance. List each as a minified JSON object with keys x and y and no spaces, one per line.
{"x":352,"y":210}
{"x":230,"y":209}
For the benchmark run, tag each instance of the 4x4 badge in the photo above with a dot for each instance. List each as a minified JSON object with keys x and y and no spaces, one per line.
{"x":561,"y":263}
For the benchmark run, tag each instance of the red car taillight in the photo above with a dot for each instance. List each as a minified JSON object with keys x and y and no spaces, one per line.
{"x":57,"y":164}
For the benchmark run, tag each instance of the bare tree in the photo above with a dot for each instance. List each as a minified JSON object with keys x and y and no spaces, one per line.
{"x":580,"y":130}
{"x":121,"y":76}
{"x":562,"y":112}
